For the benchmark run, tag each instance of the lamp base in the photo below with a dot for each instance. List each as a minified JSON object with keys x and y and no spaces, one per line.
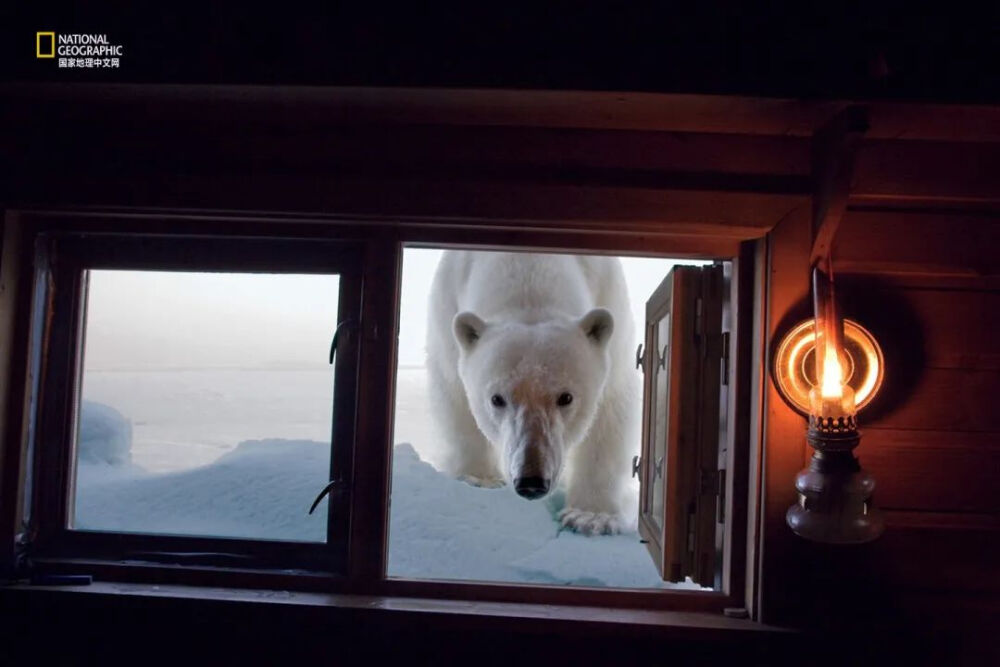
{"x":835,"y":501}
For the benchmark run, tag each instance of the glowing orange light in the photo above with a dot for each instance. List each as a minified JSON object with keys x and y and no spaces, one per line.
{"x":861,"y":364}
{"x":832,"y":382}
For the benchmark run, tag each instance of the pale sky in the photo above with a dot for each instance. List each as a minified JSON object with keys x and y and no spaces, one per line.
{"x":153,"y":319}
{"x":156,"y":319}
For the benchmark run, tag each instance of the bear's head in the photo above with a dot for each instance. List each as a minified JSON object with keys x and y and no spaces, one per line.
{"x":534,"y":389}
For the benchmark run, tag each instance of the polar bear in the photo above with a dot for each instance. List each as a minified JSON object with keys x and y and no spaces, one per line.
{"x":531,"y":382}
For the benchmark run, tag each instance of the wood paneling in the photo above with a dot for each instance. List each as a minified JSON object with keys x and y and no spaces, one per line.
{"x":923,"y":282}
{"x":888,"y":169}
{"x":918,"y":243}
{"x":959,"y":328}
{"x":946,"y":399}
{"x":934,"y":471}
{"x":937,"y":559}
{"x":525,"y":154}
{"x":733,"y":215}
{"x":523,"y":108}
{"x":926,"y":320}
{"x":655,"y":167}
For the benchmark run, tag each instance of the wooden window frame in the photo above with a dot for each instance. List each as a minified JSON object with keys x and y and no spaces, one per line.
{"x":380,"y":243}
{"x":61,"y":263}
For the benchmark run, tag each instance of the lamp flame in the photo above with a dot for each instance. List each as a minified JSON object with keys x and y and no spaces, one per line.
{"x":832,"y":382}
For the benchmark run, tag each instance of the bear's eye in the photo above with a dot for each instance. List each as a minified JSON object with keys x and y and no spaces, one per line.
{"x":498,"y":401}
{"x":564,"y":399}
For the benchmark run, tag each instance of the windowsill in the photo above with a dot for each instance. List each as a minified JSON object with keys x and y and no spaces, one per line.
{"x":444,"y":613}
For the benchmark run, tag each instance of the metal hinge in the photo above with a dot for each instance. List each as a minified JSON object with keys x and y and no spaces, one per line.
{"x":22,"y":552}
{"x":725,"y":358}
{"x":636,"y":465}
{"x":720,"y":505}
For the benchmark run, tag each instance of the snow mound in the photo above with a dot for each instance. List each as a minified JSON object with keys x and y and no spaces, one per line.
{"x":260,"y":490}
{"x":440,"y":528}
{"x":105,"y":435}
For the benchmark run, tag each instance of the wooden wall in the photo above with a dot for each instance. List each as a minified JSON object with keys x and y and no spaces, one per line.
{"x":917,"y":260}
{"x":926,"y":281}
{"x":929,"y":285}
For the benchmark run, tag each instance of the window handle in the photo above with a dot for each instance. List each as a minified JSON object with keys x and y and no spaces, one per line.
{"x":343,"y":326}
{"x":333,"y":485}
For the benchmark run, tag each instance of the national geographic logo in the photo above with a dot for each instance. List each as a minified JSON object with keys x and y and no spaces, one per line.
{"x":45,"y":45}
{"x":78,"y":50}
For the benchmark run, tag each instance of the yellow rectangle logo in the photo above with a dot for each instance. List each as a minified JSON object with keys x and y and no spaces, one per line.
{"x":40,"y":39}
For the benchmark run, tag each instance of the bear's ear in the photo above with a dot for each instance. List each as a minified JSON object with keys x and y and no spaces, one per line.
{"x":467,"y":328}
{"x":598,"y":325}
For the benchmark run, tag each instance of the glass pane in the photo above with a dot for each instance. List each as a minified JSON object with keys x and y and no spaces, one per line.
{"x":660,"y":399}
{"x":206,"y":404}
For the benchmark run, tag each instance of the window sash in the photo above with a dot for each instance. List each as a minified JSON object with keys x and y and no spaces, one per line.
{"x":61,"y":264}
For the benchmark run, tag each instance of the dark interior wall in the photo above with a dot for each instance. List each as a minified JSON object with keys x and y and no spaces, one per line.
{"x":50,"y":627}
{"x":804,"y":50}
{"x":916,"y":255}
{"x":929,"y":284}
{"x":924,"y":279}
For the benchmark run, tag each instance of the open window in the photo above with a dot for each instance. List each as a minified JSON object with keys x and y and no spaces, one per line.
{"x":447,"y":527}
{"x":682,"y":468}
{"x":373,"y":525}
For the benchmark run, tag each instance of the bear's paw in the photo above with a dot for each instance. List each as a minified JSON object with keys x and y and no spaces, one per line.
{"x":590,"y":523}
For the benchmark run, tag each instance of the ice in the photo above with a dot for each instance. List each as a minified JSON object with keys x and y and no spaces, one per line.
{"x":228,"y":436}
{"x":261,"y":490}
{"x":440,"y":528}
{"x":105,"y":435}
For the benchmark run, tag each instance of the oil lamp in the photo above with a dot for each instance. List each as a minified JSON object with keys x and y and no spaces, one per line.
{"x":834,"y":492}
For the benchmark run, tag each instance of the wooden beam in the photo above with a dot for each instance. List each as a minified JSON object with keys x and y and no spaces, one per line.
{"x":659,"y":112}
{"x":834,"y":147}
{"x":781,"y":554}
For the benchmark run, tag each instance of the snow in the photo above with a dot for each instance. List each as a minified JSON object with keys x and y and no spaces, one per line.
{"x":105,"y":435}
{"x":440,"y":528}
{"x":221,"y":396}
{"x":262,"y":489}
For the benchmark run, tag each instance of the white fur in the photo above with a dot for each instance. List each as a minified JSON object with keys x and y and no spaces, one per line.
{"x":529,"y":327}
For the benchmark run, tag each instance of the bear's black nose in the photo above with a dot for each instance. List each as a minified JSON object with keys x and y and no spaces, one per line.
{"x":531,"y":487}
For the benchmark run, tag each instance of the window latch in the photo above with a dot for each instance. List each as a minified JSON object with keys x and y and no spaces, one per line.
{"x":343,"y":326}
{"x":334,"y":485}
